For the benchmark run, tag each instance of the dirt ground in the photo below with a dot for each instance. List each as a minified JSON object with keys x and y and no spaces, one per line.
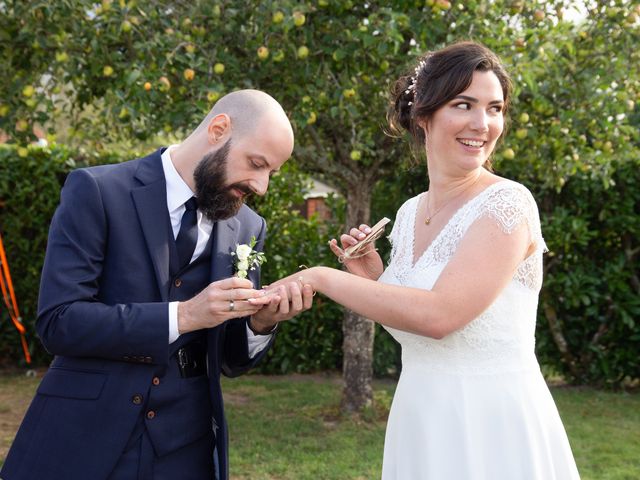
{"x":16,"y":391}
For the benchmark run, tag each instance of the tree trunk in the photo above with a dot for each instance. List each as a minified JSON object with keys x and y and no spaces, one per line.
{"x":559,"y":338}
{"x":357,"y":347}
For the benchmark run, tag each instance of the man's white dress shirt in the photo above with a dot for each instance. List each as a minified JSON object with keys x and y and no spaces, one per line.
{"x":178,"y":192}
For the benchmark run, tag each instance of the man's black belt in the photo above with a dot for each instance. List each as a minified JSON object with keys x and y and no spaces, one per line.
{"x":192,"y":359}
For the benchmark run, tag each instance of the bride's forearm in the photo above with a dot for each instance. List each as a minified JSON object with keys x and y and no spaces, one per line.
{"x":410,"y":309}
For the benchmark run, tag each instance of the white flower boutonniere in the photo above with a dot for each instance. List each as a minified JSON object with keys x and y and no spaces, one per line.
{"x":246,"y":258}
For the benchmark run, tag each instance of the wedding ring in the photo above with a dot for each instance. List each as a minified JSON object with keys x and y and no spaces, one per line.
{"x":301,"y":280}
{"x":232,"y":305}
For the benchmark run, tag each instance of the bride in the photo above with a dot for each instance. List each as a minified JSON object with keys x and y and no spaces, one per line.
{"x":460,"y":292}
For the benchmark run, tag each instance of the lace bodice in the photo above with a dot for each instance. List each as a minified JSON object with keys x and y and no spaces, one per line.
{"x":500,"y":339}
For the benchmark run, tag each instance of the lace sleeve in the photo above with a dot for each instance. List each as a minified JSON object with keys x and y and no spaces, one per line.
{"x":513,"y":207}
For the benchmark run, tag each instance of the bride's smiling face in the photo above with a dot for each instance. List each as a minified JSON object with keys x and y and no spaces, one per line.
{"x":464,"y":131}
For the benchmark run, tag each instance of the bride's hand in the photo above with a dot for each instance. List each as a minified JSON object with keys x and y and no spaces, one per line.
{"x":369,"y":264}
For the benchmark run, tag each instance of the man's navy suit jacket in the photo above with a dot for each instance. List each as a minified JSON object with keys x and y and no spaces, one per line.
{"x":103,"y":313}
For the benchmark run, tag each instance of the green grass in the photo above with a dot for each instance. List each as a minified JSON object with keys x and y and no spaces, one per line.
{"x":604,"y":431}
{"x":289,"y":427}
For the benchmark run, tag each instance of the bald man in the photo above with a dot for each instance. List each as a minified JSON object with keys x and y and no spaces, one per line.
{"x":141,"y":309}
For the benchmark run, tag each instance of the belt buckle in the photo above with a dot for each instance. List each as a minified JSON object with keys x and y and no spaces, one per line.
{"x":190,"y":362}
{"x":183,"y":362}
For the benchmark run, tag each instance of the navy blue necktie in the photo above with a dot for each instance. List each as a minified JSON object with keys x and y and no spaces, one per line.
{"x":188,"y":234}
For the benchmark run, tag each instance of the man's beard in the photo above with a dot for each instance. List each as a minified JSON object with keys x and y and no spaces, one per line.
{"x":215,"y":200}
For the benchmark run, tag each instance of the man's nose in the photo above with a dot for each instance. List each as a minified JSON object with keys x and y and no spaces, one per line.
{"x":261,"y":184}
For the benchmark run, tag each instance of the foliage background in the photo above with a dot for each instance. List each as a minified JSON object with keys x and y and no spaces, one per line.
{"x":112,"y":77}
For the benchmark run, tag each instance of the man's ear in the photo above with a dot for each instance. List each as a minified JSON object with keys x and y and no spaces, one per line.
{"x":218,"y":129}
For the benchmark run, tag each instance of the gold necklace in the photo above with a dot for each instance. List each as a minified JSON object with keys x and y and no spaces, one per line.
{"x":427,"y":220}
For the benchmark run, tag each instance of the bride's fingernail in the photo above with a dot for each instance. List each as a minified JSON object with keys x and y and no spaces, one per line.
{"x":367,"y":230}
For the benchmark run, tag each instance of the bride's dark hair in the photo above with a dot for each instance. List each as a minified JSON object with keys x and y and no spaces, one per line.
{"x":441,"y":76}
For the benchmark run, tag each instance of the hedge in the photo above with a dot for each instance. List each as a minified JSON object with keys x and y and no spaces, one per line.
{"x":29,"y":193}
{"x":588,"y":329}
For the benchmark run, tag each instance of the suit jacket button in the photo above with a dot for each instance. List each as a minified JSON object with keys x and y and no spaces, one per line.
{"x":137,"y":399}
{"x":177,"y":282}
{"x":148,"y":359}
{"x":125,"y":358}
{"x":155,"y":381}
{"x":151,"y":414}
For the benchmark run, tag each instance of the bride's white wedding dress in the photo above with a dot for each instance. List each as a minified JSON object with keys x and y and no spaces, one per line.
{"x":474,"y":405}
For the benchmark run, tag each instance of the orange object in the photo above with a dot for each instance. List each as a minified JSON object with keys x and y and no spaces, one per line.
{"x":9,"y":296}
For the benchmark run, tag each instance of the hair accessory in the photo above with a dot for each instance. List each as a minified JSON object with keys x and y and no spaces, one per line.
{"x":414,"y":78}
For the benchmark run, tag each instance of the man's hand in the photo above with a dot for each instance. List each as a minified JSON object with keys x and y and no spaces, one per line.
{"x":218,"y":302}
{"x":287,"y":300}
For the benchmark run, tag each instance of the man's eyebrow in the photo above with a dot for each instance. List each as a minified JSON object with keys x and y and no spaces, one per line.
{"x":261,"y":157}
{"x":258,"y":156}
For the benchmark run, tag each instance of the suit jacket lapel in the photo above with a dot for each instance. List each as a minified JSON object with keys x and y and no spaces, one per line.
{"x":151,"y":204}
{"x":225,"y":236}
